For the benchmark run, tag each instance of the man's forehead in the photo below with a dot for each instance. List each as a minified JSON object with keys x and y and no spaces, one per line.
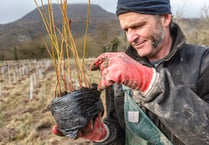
{"x":132,"y":17}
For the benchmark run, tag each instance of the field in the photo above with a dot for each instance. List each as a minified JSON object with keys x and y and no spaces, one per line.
{"x":26,"y":91}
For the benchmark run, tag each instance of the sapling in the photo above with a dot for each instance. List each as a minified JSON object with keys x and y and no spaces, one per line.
{"x":62,"y":46}
{"x":72,"y":107}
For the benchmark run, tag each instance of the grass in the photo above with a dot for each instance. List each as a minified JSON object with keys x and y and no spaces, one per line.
{"x":25,"y":121}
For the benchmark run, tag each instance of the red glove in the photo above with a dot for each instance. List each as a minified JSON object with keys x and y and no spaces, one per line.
{"x":56,"y":131}
{"x":94,"y":130}
{"x":121,"y":69}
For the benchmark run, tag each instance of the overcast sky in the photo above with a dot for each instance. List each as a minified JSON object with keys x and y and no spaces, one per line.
{"x":11,"y":10}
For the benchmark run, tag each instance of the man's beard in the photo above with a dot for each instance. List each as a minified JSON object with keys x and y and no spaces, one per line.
{"x":158,"y":37}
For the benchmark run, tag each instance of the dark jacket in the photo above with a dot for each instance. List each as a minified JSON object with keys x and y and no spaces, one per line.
{"x":178,"y":104}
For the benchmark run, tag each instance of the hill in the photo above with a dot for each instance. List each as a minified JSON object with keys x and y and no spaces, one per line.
{"x":22,"y":37}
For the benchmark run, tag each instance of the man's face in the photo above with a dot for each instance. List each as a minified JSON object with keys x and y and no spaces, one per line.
{"x":144,"y":32}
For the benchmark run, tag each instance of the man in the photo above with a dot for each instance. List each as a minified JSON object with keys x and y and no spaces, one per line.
{"x":168,"y":77}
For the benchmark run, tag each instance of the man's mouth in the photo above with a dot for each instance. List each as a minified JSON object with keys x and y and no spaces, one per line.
{"x":138,"y":45}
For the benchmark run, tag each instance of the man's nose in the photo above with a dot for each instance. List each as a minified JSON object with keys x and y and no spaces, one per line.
{"x":131,"y":35}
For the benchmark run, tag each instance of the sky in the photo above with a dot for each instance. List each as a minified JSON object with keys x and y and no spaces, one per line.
{"x":12,"y":10}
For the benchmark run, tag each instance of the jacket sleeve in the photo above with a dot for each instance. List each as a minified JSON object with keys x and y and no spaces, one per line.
{"x":115,"y":116}
{"x":182,"y":110}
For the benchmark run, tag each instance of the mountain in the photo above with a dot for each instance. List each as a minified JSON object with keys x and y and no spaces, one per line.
{"x":103,"y":28}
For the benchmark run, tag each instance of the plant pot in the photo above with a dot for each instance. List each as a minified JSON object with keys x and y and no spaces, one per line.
{"x":73,"y":111}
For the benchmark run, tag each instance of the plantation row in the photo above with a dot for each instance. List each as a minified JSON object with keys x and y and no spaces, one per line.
{"x":12,"y":73}
{"x":26,"y":91}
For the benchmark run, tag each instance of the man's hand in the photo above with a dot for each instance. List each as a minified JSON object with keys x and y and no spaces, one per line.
{"x":56,"y":131}
{"x":95,"y":130}
{"x":121,"y":69}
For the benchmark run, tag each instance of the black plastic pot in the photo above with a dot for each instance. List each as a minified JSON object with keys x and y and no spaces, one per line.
{"x":73,"y":111}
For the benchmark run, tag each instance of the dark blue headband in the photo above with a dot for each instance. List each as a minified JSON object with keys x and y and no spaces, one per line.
{"x":153,"y":7}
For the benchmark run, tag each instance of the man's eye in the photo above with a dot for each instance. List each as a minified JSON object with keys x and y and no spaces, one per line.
{"x":134,"y":27}
{"x":125,"y":30}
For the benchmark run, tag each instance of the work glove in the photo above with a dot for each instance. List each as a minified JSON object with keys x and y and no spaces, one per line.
{"x":56,"y":131}
{"x":95,"y":130}
{"x":121,"y":69}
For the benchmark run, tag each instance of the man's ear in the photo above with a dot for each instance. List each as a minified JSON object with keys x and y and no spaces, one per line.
{"x":166,"y":19}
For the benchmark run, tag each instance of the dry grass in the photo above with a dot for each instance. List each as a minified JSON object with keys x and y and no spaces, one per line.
{"x":29,"y":121}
